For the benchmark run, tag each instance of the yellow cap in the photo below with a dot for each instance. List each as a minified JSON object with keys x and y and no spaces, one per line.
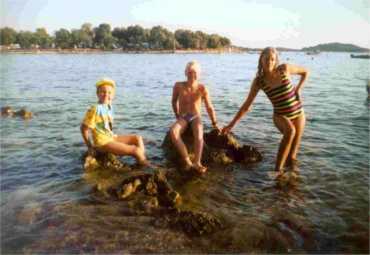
{"x":106,"y":81}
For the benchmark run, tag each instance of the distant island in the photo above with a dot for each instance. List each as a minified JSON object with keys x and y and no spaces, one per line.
{"x":335,"y":47}
{"x":326,"y":47}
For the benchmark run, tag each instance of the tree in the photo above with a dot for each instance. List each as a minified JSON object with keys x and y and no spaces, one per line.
{"x":42,"y":38}
{"x":87,"y":36}
{"x":26,"y":39}
{"x":201,"y":40}
{"x":76,"y":38}
{"x":225,"y":42}
{"x":214,"y":41}
{"x":7,"y":36}
{"x":63,"y":38}
{"x":103,"y":37}
{"x":161,"y":38}
{"x":136,"y":36}
{"x":185,"y":38}
{"x":119,"y":33}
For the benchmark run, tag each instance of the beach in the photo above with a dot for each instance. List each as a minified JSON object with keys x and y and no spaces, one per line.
{"x":47,"y":206}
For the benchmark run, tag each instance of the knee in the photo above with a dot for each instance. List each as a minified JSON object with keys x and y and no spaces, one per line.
{"x":137,"y":151}
{"x":174,"y":133}
{"x":290,"y":133}
{"x":198,"y":137}
{"x":138,"y":138}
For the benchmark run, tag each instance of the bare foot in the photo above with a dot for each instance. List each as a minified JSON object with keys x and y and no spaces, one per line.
{"x":291,"y":163}
{"x":200,"y":168}
{"x":188,"y":165}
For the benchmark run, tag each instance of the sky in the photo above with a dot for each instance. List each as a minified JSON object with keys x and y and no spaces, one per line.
{"x":257,"y":24}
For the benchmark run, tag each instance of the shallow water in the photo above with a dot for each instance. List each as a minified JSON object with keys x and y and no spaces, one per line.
{"x":46,"y":205}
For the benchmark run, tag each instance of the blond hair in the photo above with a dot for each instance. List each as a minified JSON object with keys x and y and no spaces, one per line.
{"x":260,"y":74}
{"x":192,"y":65}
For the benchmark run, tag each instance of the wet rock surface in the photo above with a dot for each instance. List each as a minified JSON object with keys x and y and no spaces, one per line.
{"x":192,"y":223}
{"x":218,"y":148}
{"x":8,"y":111}
{"x":121,"y":181}
{"x":147,"y":191}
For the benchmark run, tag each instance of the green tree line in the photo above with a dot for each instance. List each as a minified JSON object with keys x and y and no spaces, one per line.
{"x":104,"y":37}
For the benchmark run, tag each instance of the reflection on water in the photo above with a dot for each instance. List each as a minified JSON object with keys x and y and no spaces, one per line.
{"x":47,"y":206}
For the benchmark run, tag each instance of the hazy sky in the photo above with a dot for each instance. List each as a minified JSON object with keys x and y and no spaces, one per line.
{"x":259,"y":23}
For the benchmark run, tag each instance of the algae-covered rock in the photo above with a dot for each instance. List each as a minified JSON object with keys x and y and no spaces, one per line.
{"x":287,"y":179}
{"x":112,"y":178}
{"x":245,"y":154}
{"x":23,"y":113}
{"x":218,"y":148}
{"x":222,"y":141}
{"x":7,"y":111}
{"x":192,"y":223}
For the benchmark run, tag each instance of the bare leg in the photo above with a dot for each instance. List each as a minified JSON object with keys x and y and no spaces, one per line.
{"x":299,"y":124}
{"x":197,"y":128}
{"x":119,"y":148}
{"x":287,"y":128}
{"x":136,"y":140}
{"x":175,"y":132}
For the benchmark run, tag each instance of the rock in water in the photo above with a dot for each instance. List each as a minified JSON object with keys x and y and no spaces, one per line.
{"x":218,"y":148}
{"x":192,"y":223}
{"x":113,"y":178}
{"x":7,"y":111}
{"x":217,"y":140}
{"x":23,"y":113}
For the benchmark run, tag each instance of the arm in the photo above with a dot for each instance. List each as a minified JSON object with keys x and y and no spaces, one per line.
{"x":246,"y":107}
{"x":85,"y":135}
{"x":303,"y":72}
{"x":210,"y":109}
{"x":175,"y":97}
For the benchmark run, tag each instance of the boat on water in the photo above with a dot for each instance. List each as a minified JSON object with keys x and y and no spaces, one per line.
{"x":366,"y":56}
{"x":315,"y":52}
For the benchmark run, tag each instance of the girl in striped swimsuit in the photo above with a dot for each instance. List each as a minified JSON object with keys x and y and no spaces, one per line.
{"x":288,"y":116}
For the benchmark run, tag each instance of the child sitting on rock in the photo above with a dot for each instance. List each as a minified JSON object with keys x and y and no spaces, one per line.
{"x":99,"y":121}
{"x":187,"y":98}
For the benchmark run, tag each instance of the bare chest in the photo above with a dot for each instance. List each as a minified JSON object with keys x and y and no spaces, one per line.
{"x":188,"y":96}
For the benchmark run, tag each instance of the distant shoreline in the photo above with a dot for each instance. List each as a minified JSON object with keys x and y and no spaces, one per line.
{"x":232,"y":50}
{"x":119,"y":51}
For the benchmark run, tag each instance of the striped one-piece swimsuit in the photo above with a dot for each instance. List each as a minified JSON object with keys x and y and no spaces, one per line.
{"x":284,"y":98}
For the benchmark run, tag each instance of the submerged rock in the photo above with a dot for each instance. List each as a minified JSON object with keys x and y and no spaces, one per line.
{"x":218,"y":148}
{"x":8,"y":111}
{"x":23,"y":113}
{"x":192,"y":223}
{"x":114,"y":179}
{"x":287,"y":179}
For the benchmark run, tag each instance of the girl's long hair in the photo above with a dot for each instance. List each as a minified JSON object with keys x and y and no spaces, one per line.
{"x":260,"y":74}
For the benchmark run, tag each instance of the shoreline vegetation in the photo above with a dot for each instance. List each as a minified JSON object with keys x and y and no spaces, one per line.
{"x":136,"y":39}
{"x":224,"y":50}
{"x":103,"y":38}
{"x":120,"y":51}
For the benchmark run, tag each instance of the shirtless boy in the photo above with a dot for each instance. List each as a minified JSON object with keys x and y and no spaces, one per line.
{"x":187,"y":98}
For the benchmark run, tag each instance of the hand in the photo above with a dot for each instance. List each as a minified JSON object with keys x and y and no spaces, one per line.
{"x":217,"y":128}
{"x":91,"y":150}
{"x":298,"y":94}
{"x":227,"y":129}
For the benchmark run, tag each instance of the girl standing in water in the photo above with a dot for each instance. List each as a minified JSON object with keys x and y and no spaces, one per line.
{"x":288,"y":117}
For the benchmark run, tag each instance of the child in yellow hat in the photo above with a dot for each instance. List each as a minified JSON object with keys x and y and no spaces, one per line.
{"x":99,"y":121}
